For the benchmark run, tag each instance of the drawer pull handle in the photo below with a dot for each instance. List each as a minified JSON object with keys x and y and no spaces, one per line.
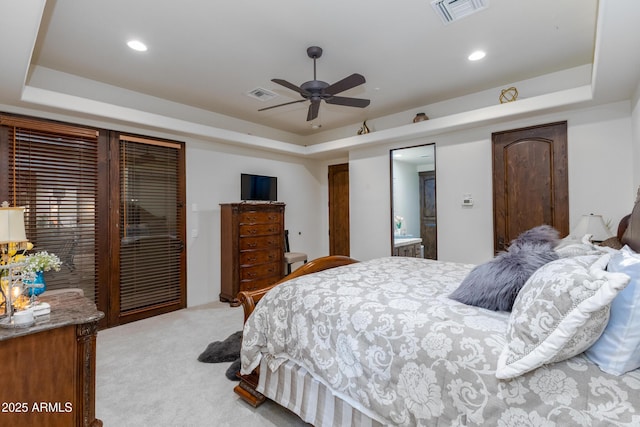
{"x":252,"y":245}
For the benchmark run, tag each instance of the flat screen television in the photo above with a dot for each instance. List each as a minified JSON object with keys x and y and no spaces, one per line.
{"x":258,"y":187}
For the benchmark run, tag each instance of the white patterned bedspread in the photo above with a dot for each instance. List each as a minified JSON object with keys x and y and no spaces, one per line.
{"x":383,"y":335}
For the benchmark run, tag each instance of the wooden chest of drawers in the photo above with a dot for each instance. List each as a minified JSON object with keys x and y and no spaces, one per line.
{"x":251,"y":247}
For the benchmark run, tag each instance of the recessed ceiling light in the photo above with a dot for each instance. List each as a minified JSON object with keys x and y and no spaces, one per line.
{"x":477,"y":55}
{"x":137,"y":45}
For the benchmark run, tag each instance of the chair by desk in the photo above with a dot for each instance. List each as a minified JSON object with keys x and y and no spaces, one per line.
{"x":292,"y":257}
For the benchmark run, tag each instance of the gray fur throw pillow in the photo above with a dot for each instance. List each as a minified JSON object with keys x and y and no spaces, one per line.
{"x":494,"y":285}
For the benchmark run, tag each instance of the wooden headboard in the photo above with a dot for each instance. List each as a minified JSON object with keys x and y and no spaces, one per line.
{"x":622,"y":226}
{"x":627,"y":235}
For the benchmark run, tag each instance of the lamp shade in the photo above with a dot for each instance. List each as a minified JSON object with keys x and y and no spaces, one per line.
{"x":594,"y":225}
{"x":12,"y":225}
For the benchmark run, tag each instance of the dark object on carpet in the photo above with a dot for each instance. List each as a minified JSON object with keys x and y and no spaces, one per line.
{"x":223,"y":351}
{"x":233,"y":370}
{"x":494,"y":285}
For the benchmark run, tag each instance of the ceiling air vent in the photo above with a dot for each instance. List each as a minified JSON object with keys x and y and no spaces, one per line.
{"x":261,"y":94}
{"x":452,"y":10}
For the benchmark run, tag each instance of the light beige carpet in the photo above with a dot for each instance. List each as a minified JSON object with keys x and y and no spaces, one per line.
{"x":148,"y":374}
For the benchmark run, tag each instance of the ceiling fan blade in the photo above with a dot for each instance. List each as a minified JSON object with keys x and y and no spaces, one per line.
{"x":280,"y":105}
{"x":291,"y":86}
{"x":314,"y":107}
{"x":347,"y":83}
{"x":349,"y":102}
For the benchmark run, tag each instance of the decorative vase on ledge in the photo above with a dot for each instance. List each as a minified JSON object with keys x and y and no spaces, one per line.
{"x":37,"y":286}
{"x":420,"y":117}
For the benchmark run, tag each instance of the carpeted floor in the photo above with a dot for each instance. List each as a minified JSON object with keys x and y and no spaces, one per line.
{"x":148,"y":374}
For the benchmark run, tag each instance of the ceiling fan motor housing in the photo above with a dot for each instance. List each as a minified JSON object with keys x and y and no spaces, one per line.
{"x":314,"y":86}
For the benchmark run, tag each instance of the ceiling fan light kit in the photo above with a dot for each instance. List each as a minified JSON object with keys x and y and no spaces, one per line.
{"x":317,"y":90}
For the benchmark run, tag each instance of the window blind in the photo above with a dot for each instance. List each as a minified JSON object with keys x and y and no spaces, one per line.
{"x":52,"y":172}
{"x":150,"y":221}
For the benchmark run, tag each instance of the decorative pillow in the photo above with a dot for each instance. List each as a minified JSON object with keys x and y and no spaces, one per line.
{"x":618,"y":349}
{"x":560,"y":312}
{"x":494,"y":285}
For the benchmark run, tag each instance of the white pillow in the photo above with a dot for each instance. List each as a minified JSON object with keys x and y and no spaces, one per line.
{"x":560,"y":312}
{"x":618,"y":349}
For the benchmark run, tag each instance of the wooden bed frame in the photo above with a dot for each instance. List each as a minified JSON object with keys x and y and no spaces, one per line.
{"x":246,"y":389}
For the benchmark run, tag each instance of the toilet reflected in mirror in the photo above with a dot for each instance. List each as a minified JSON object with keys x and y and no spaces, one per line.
{"x":413,"y":197}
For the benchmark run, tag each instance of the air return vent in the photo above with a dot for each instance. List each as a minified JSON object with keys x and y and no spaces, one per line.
{"x":261,"y":94}
{"x":452,"y":10}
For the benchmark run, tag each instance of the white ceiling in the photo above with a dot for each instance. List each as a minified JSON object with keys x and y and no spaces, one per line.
{"x":208,"y":54}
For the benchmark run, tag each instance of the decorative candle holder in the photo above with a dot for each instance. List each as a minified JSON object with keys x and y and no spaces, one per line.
{"x":11,"y":288}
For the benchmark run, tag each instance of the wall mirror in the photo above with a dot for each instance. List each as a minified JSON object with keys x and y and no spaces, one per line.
{"x":413,"y":202}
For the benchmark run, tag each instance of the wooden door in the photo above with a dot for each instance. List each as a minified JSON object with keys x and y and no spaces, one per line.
{"x":339,"y":209}
{"x":530,"y":181}
{"x":148,"y":258}
{"x":428,"y":230}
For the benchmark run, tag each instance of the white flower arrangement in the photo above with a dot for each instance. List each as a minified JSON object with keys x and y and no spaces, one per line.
{"x":40,"y":261}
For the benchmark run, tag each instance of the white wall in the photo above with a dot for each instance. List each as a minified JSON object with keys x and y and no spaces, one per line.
{"x":600,"y":181}
{"x":213,"y":177}
{"x":369,"y":203}
{"x":406,"y":200}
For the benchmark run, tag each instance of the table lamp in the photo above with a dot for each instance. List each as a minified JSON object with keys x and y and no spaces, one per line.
{"x":594,"y":225}
{"x":12,"y":237}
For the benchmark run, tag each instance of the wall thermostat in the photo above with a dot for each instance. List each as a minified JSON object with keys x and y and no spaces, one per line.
{"x":467,"y":200}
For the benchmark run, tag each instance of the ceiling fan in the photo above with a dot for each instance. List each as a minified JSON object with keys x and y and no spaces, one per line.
{"x":317,"y":90}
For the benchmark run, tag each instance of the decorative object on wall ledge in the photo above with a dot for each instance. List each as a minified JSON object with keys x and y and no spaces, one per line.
{"x":364,"y":129}
{"x":508,"y":95}
{"x":420,"y":117}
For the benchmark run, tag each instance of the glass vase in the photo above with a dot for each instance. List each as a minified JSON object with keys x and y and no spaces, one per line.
{"x":37,"y":286}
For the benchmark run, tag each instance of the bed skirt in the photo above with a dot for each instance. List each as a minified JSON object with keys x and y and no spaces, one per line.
{"x":294,"y":388}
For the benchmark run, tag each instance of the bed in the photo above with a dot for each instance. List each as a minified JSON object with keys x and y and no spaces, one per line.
{"x":380,"y":342}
